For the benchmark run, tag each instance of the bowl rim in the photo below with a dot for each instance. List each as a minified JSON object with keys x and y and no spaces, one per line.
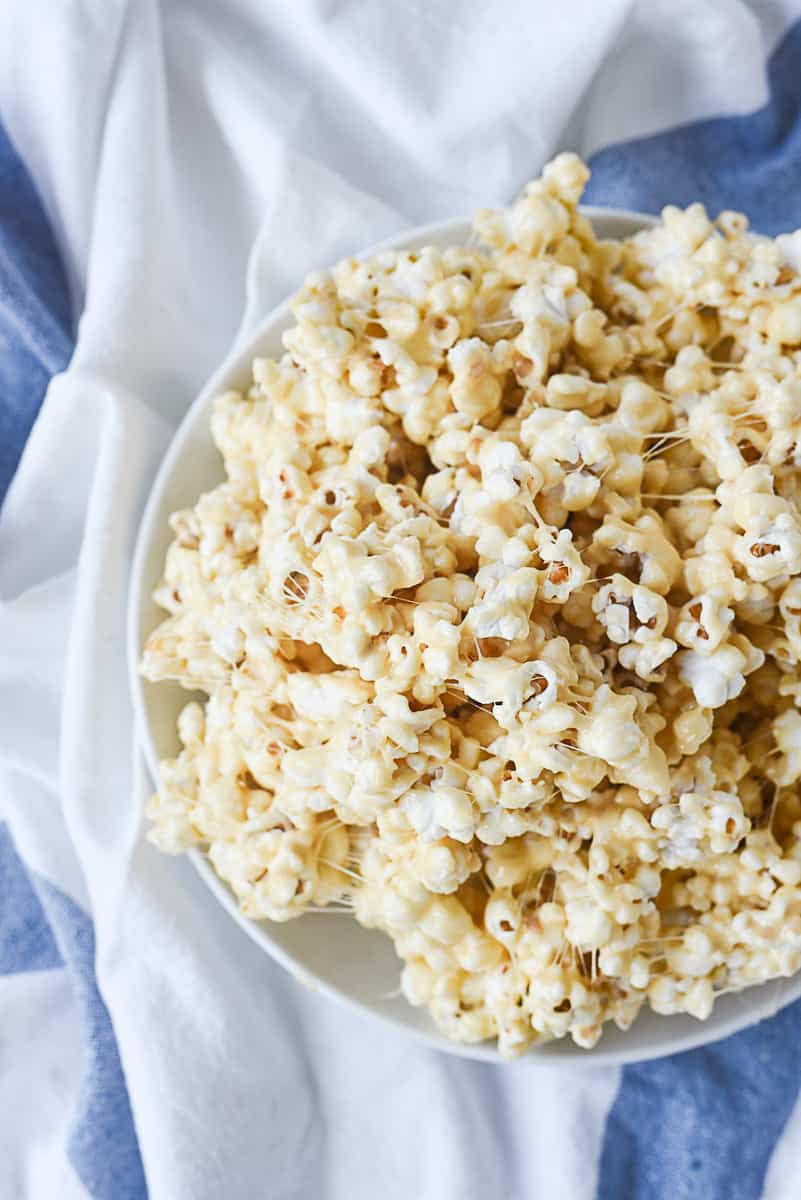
{"x":241,"y":353}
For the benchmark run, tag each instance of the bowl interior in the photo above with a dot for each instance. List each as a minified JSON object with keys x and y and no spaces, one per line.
{"x":332,"y":953}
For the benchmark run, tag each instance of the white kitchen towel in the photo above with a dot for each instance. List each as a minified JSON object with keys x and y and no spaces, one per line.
{"x":195,"y":158}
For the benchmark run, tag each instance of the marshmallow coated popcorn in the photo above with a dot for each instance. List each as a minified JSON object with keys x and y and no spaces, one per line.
{"x":497,"y":617}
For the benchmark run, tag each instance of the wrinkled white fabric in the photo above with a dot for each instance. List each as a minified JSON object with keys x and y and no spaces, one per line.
{"x":196,"y":159}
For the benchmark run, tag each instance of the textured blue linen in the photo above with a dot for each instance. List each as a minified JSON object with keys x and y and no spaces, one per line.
{"x":40,"y":928}
{"x":701,"y":1125}
{"x":35,"y":319}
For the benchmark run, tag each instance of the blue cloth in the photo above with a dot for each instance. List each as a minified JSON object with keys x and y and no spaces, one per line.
{"x":35,"y":318}
{"x":41,"y":929}
{"x":749,"y":163}
{"x":701,"y":1125}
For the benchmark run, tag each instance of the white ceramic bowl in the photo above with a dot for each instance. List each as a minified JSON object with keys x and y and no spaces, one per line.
{"x":333,"y":953}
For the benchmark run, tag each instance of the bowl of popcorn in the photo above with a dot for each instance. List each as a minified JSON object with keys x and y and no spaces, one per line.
{"x":465,"y":630}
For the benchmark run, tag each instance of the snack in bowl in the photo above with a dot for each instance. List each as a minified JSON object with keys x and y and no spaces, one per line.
{"x":498,"y":617}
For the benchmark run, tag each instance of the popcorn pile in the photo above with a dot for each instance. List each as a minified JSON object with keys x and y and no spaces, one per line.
{"x":498,"y":614}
